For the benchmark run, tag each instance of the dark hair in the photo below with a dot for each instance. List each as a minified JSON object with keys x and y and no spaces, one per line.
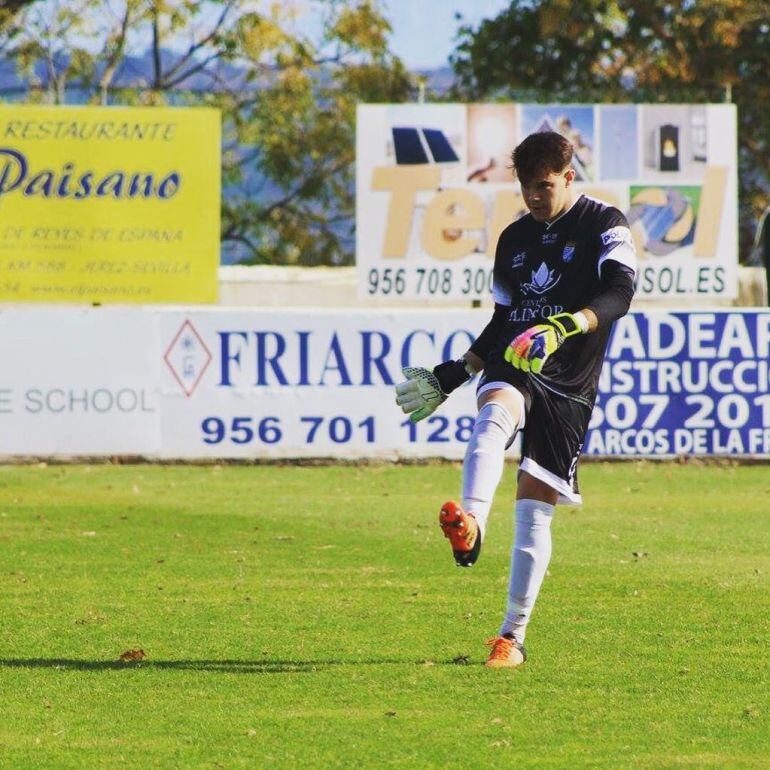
{"x":545,"y":152}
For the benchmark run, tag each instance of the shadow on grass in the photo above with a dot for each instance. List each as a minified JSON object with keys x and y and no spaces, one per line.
{"x":265,"y":666}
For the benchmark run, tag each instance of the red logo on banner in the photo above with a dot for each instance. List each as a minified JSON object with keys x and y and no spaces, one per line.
{"x":187,"y":357}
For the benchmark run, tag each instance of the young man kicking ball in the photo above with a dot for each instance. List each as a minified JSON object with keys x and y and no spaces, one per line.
{"x":563,"y":274}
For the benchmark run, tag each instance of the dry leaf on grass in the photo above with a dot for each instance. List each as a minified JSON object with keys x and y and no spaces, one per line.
{"x":130,"y":656}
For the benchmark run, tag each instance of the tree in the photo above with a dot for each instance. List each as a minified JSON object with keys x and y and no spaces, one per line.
{"x":287,"y":92}
{"x":9,"y":11}
{"x":298,"y":130}
{"x":634,"y":51}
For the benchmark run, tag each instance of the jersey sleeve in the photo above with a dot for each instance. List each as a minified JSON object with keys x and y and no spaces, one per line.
{"x":615,"y":241}
{"x":615,"y":297}
{"x":490,"y":336}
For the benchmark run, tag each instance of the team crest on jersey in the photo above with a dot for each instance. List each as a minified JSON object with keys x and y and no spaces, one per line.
{"x":518,"y":260}
{"x":569,"y":251}
{"x":543,"y":279}
{"x":550,"y":238}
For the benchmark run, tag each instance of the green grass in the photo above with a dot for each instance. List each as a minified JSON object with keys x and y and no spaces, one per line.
{"x":311,"y":617}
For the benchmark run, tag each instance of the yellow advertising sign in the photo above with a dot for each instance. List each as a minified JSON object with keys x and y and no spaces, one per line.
{"x":109,"y":204}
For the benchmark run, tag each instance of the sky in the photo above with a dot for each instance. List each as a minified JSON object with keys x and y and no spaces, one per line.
{"x":423,"y":35}
{"x":424,"y":30}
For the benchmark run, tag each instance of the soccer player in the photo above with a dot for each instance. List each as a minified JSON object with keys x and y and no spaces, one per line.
{"x":563,"y":274}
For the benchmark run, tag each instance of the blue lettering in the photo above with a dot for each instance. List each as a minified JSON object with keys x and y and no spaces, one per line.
{"x":169,"y":186}
{"x":84,"y":187}
{"x":336,"y":352}
{"x":140,"y":185}
{"x":14,"y":161}
{"x":111,"y":184}
{"x":62,"y":191}
{"x":406,"y":348}
{"x":40,"y":184}
{"x":66,"y":183}
{"x":226,"y":356}
{"x":303,"y":358}
{"x":263,"y":359}
{"x":369,"y":358}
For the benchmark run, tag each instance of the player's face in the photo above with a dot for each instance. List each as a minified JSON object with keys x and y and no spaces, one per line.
{"x":548,"y":195}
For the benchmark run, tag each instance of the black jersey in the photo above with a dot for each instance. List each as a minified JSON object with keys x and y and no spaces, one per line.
{"x":546,"y":268}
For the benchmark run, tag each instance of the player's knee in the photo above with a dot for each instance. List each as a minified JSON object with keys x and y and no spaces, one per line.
{"x":508,"y":398}
{"x":533,"y":514}
{"x":496,"y":416}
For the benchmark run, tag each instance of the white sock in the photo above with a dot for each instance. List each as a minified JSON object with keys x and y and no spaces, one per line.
{"x":484,"y":460}
{"x":530,"y":555}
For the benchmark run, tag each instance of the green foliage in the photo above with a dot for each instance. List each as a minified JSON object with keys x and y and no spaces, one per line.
{"x":301,"y":124}
{"x":287,"y":98}
{"x":9,"y":26}
{"x":633,"y":51}
{"x":313,"y":617}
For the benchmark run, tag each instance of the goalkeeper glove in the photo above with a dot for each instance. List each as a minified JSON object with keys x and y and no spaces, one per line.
{"x":531,"y":349}
{"x":422,"y":391}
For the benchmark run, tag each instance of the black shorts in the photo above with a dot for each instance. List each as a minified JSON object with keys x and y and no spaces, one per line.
{"x":554,"y":431}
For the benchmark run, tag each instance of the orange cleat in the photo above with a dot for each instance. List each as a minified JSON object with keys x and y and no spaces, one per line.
{"x":463,"y":533}
{"x":505,"y":653}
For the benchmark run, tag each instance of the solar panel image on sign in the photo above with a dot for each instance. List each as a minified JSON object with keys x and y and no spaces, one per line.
{"x":422,"y":145}
{"x":439,"y":146}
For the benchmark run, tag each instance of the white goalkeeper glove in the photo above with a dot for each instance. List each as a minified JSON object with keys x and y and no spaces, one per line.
{"x":423,"y":391}
{"x":420,"y":395}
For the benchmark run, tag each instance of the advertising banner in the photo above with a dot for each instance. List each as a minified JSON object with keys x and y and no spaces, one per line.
{"x":246,"y":384}
{"x":79,"y":382}
{"x":261,"y":384}
{"x":685,"y":384}
{"x":221,"y":383}
{"x":109,"y":204}
{"x":435,"y":190}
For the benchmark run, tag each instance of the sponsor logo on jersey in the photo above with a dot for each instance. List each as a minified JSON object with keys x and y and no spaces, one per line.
{"x":569,"y":251}
{"x":618,"y":234}
{"x":537,"y":313}
{"x":542,"y":281}
{"x":518,"y":260}
{"x":550,"y":238}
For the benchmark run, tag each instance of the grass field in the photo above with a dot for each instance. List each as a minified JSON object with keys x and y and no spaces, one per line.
{"x":312,"y":617}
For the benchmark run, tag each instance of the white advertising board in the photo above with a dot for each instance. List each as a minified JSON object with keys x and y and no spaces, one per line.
{"x":290,"y":384}
{"x":79,"y":382}
{"x":434,"y":190}
{"x":221,"y":383}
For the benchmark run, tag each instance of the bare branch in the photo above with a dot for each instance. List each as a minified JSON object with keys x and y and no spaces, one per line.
{"x":172,"y":83}
{"x":301,"y":189}
{"x":156,"y":78}
{"x":115,"y":56}
{"x":195,"y":47}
